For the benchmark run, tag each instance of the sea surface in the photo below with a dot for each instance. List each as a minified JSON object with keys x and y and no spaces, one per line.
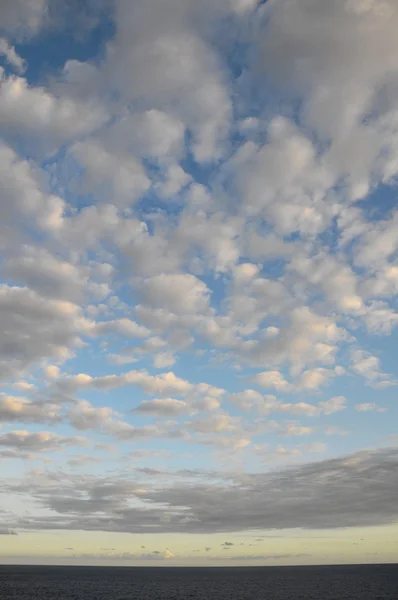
{"x":374,"y":582}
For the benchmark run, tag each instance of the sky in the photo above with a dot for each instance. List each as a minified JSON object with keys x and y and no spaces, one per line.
{"x":199,"y":277}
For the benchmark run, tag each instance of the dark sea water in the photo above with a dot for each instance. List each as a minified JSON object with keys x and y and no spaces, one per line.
{"x":375,"y":582}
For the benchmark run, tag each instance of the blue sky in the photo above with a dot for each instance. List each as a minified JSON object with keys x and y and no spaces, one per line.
{"x":199,"y":243}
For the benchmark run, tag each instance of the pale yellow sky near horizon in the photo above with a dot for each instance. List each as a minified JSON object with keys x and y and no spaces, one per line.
{"x":287,"y":547}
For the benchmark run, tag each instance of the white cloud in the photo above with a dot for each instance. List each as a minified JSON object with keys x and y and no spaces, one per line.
{"x":253,"y":400}
{"x":337,"y":280}
{"x":42,"y":441}
{"x":153,"y":133}
{"x":83,"y":416}
{"x":52,"y":372}
{"x":299,"y":408}
{"x":165,"y":383}
{"x":339,"y":58}
{"x":163,"y":360}
{"x":33,"y":110}
{"x":182,"y":294}
{"x":335,"y":404}
{"x":313,"y":379}
{"x":23,"y":201}
{"x":189,"y":196}
{"x":296,"y":430}
{"x":17,"y":409}
{"x":111,"y":175}
{"x":171,"y":65}
{"x":216,"y":423}
{"x":11,"y":56}
{"x":272,"y":379}
{"x":368,"y":366}
{"x":368,"y":407}
{"x":124,"y":327}
{"x":53,"y":277}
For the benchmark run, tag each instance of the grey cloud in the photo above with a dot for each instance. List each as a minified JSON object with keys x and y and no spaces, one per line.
{"x":34,"y":328}
{"x":13,"y":454}
{"x":163,"y":407}
{"x":151,"y":39}
{"x":357,"y":490}
{"x":6,"y":531}
{"x":268,"y":556}
{"x":23,"y":18}
{"x":52,"y":277}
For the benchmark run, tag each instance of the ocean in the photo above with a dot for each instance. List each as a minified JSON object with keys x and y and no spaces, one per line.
{"x":367,"y":582}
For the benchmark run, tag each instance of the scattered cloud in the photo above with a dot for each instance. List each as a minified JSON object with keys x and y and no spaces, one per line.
{"x":205,"y":192}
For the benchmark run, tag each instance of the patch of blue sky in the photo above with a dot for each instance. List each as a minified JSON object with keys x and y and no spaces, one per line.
{"x":57,"y":45}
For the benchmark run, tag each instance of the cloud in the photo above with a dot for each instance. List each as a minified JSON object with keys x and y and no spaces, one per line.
{"x":251,"y":399}
{"x":42,"y":441}
{"x":266,"y":557}
{"x":35,"y":328}
{"x":272,"y":379}
{"x":34,"y":110}
{"x":107,"y":173}
{"x":166,"y":384}
{"x":293,"y":430}
{"x":52,"y":277}
{"x":368,"y":366}
{"x":182,"y":293}
{"x":17,"y":409}
{"x":21,"y":17}
{"x":211,"y":190}
{"x":369,"y":406}
{"x":351,"y":491}
{"x":5,"y":531}
{"x":317,"y":73}
{"x":335,"y":404}
{"x":176,"y":68}
{"x":124,"y":327}
{"x":111,"y":554}
{"x":24,"y":202}
{"x":157,"y":555}
{"x":163,"y":407}
{"x":11,"y":56}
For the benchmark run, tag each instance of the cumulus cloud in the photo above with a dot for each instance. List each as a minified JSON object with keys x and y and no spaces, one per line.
{"x":272,"y":379}
{"x":42,"y":441}
{"x":211,"y":191}
{"x":33,"y":110}
{"x":181,"y":293}
{"x":318,"y":73}
{"x":35,"y":328}
{"x":368,"y":366}
{"x":14,"y":408}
